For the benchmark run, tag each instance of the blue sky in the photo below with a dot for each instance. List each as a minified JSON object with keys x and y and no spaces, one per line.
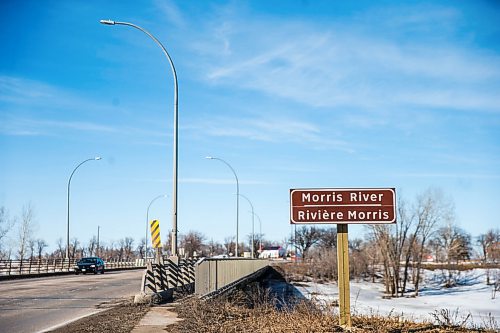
{"x":290,"y":93}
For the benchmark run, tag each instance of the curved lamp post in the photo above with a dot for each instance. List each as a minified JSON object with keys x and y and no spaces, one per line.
{"x":147,"y":226}
{"x":97,"y":158}
{"x":175,"y":145}
{"x":260,"y":231}
{"x":253,"y":234}
{"x":237,"y":197}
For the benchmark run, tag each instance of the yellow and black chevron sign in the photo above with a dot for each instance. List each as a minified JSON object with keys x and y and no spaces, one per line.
{"x":155,"y":233}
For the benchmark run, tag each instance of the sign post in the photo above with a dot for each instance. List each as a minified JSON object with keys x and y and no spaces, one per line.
{"x":343,"y":207}
{"x":343,"y":275}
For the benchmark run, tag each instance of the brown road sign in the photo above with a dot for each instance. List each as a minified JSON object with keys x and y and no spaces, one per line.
{"x":343,"y":206}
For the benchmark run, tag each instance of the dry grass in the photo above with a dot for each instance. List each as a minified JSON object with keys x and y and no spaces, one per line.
{"x":258,"y":312}
{"x":234,"y":316}
{"x":255,"y":310}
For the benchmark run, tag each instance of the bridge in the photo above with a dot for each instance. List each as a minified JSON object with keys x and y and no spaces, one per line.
{"x":36,"y":300}
{"x":204,"y":277}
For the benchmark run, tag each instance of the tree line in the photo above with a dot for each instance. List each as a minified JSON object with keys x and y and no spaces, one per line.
{"x":426,"y":230}
{"x":18,"y":241}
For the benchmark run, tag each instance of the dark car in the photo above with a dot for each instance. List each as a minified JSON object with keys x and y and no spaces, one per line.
{"x":89,"y":265}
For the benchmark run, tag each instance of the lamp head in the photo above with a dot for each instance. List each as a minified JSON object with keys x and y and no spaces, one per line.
{"x":209,"y":158}
{"x":107,"y":22}
{"x":97,"y":158}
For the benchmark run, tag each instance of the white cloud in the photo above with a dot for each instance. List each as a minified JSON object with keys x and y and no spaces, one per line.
{"x":341,"y":66}
{"x":34,"y":108}
{"x":206,"y":181}
{"x":30,"y":94}
{"x":273,"y":130}
{"x":31,"y":127}
{"x":172,"y":12}
{"x":478,"y":176}
{"x":216,"y":181}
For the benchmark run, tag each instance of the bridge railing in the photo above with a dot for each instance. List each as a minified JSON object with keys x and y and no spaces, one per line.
{"x":205,"y":277}
{"x":215,"y":274}
{"x":48,"y":266}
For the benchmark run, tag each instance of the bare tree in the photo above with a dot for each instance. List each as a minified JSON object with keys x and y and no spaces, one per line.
{"x":31,"y":247}
{"x":60,"y":247}
{"x":92,"y":246}
{"x":490,"y":248}
{"x":385,"y":241}
{"x":306,"y":237}
{"x":256,"y":242}
{"x":111,"y":252}
{"x":452,"y":244}
{"x":73,"y":247}
{"x":432,"y":208}
{"x":192,"y":242}
{"x":141,"y":247}
{"x":399,"y":239}
{"x":399,"y":242}
{"x":408,"y":236}
{"x":229,"y":244}
{"x":328,"y":238}
{"x":128,"y":243}
{"x":360,"y":259}
{"x":99,"y":250}
{"x":490,"y":245}
{"x":40,"y":245}
{"x":25,"y":230}
{"x":121,"y":249}
{"x":373,"y":254}
{"x":5,"y":227}
{"x":215,"y":248}
{"x":125,"y":250}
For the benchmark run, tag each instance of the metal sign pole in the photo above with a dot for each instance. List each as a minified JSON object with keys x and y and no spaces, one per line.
{"x":343,"y":274}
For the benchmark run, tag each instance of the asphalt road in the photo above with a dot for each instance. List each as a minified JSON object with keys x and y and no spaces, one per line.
{"x":34,"y":305}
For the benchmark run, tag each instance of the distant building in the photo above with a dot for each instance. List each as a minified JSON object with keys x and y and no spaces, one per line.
{"x":272,"y":252}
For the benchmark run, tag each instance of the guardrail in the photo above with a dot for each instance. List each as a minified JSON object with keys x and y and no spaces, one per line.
{"x":50,"y":266}
{"x":216,"y":274}
{"x":205,"y":277}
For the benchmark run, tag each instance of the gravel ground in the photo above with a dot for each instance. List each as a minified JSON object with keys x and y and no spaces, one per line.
{"x":121,"y":317}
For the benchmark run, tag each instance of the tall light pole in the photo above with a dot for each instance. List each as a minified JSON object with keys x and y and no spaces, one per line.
{"x":237,"y":197}
{"x":175,"y":144}
{"x":147,"y":225}
{"x":253,"y":234}
{"x":98,"y":229}
{"x":260,"y":231}
{"x":97,"y":158}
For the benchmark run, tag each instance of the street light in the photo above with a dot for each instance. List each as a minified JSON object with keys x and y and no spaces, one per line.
{"x":237,"y":196}
{"x":97,"y":158}
{"x":253,"y":237}
{"x":147,"y":226}
{"x":260,"y":231}
{"x":98,"y":229}
{"x":175,"y":144}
